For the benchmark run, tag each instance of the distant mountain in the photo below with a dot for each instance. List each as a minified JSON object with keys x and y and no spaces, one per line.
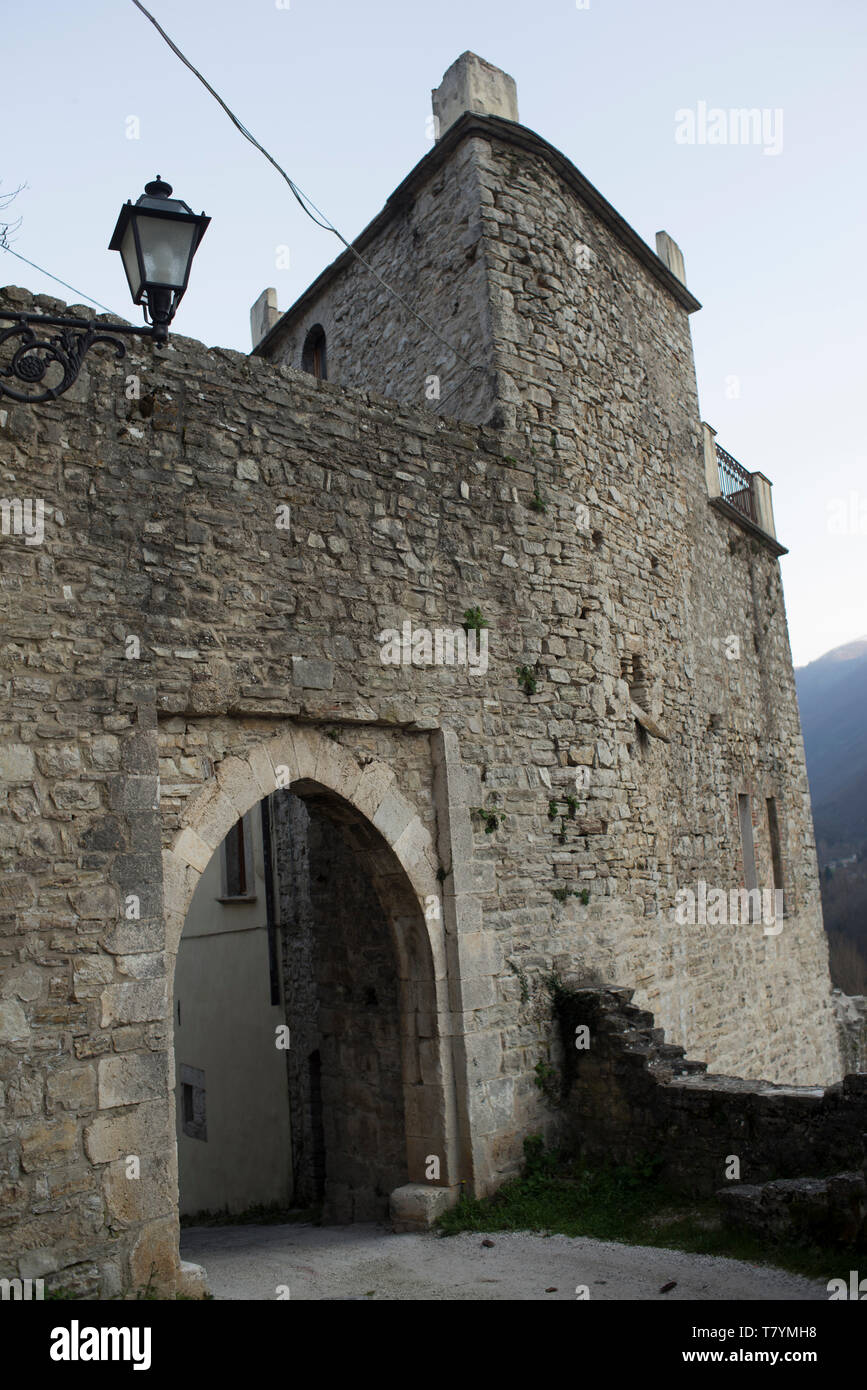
{"x":832,"y":695}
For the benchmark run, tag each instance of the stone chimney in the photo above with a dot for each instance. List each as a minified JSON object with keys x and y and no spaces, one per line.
{"x":263,"y":315}
{"x":471,"y":84}
{"x":668,"y":251}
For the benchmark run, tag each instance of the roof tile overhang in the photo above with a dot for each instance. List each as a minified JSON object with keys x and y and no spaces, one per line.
{"x":509,"y":133}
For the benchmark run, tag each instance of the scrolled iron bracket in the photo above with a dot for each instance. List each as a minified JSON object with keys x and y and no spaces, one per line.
{"x":35,"y":356}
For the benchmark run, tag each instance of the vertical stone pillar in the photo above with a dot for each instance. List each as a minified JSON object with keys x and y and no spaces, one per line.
{"x":711,"y":468}
{"x":485,"y":1097}
{"x":763,"y":503}
{"x":263,"y":315}
{"x":135,"y":1118}
{"x":471,"y":84}
{"x":668,"y":251}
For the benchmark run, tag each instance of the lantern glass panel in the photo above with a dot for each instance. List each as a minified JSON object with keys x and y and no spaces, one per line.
{"x":129,"y":257}
{"x":166,"y":248}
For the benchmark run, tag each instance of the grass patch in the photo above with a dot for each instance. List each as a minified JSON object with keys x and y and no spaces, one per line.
{"x":626,"y":1204}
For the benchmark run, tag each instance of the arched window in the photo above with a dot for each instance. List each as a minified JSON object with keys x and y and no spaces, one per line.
{"x":313,"y":353}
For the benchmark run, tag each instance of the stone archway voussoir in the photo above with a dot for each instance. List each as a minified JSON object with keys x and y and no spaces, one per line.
{"x":237,"y":782}
{"x":375,"y":783}
{"x":281,"y":751}
{"x":216,"y":820}
{"x":262,"y":769}
{"x":192,"y":849}
{"x":338,"y":769}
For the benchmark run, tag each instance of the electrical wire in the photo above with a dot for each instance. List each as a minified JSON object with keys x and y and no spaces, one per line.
{"x":302,"y":198}
{"x":61,"y":282}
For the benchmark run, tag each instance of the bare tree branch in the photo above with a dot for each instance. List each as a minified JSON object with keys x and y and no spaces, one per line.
{"x":8,"y":229}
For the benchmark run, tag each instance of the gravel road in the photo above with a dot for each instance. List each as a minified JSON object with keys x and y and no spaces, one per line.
{"x":369,"y":1261}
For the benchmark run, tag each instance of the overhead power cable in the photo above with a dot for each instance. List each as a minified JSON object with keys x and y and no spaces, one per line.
{"x":302,"y":198}
{"x":61,"y":282}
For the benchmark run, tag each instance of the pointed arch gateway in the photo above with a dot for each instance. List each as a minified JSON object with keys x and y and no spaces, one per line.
{"x":396,"y":851}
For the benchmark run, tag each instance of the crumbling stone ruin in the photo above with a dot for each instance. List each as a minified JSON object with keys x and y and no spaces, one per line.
{"x":499,"y":642}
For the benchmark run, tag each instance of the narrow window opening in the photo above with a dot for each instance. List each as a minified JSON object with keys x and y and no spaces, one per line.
{"x":632,"y":670}
{"x":238,"y":876}
{"x":193,"y":1120}
{"x":748,"y":849}
{"x":313,"y":355}
{"x":236,"y":864}
{"x":776,"y":850}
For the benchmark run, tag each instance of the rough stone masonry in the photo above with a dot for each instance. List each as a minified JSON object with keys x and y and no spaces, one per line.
{"x":226,"y":541}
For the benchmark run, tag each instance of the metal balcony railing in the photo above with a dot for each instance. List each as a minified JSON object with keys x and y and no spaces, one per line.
{"x":736,"y":484}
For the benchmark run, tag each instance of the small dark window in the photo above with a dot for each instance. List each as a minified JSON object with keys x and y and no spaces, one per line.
{"x":313,"y":358}
{"x":236,"y":862}
{"x":776,"y":848}
{"x":193,"y":1120}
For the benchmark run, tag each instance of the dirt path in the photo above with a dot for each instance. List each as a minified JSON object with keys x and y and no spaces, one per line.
{"x":369,"y":1261}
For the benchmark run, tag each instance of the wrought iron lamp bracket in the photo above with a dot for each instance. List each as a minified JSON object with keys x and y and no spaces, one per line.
{"x":34,"y":357}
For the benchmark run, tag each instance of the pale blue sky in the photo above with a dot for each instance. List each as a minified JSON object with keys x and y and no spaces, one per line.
{"x":340,"y":93}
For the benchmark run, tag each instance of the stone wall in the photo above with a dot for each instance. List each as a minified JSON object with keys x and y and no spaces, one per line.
{"x":593,"y":381}
{"x":428,"y":247}
{"x":631,"y":1096}
{"x":851,"y":1014}
{"x":166,"y":482}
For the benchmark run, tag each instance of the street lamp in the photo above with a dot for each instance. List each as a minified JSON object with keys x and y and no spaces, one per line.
{"x":157,"y":238}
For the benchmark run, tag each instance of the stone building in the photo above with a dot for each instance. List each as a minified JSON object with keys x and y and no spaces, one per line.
{"x":496,"y":634}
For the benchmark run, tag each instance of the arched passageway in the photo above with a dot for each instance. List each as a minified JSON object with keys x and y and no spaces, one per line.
{"x":317,"y":1002}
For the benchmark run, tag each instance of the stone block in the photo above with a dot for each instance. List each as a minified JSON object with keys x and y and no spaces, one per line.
{"x":90,"y":974}
{"x":35,"y":1264}
{"x":281,"y":751}
{"x":74,"y":1089}
{"x":192,"y":849}
{"x":95,"y":903}
{"x":154,"y":1261}
{"x":138,"y":1001}
{"x":262,"y":769}
{"x":144,"y":1198}
{"x":472,"y":84}
{"x":143,"y":1130}
{"x":417,"y":1206}
{"x":337,"y":769}
{"x":13,"y":1022}
{"x":238,"y":784}
{"x":392,"y":817}
{"x":215,"y":820}
{"x":131,"y":1078}
{"x":376,"y":780}
{"x":16,"y":764}
{"x":312,"y":674}
{"x":47,"y":1143}
{"x":192,"y":1281}
{"x":23,"y":982}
